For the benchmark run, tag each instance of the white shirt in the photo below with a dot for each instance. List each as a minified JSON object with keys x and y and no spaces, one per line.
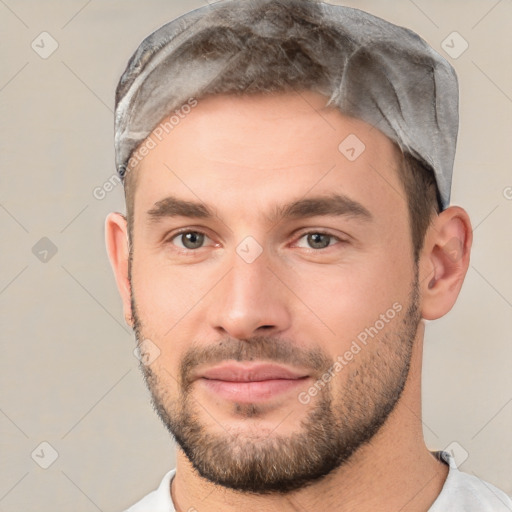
{"x":460,"y":493}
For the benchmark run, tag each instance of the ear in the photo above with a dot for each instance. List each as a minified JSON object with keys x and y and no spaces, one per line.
{"x":116,"y":240}
{"x":444,"y":261}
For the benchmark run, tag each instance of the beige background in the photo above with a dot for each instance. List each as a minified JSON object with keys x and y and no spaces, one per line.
{"x":67,"y":372}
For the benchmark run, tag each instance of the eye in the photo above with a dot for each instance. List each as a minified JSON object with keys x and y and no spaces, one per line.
{"x":317,"y":240}
{"x":189,"y":240}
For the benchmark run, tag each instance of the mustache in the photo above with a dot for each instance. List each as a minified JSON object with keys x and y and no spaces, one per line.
{"x":257,"y":348}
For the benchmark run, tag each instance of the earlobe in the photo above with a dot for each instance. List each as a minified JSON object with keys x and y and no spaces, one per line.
{"x":444,"y":261}
{"x":117,"y":244}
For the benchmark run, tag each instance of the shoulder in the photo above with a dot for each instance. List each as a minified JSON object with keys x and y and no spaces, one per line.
{"x":158,"y":500}
{"x":468,"y":493}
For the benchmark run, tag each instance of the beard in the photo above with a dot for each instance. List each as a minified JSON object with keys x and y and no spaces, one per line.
{"x":338,"y":422}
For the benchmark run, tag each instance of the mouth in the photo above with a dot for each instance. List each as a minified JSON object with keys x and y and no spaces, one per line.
{"x":249,"y":383}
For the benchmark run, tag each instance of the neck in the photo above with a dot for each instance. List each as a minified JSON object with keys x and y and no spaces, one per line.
{"x":394,"y":471}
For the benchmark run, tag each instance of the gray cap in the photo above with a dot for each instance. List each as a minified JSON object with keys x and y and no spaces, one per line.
{"x":376,"y":71}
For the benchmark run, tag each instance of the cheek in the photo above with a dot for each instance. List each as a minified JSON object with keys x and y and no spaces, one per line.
{"x":167,"y":301}
{"x":164,"y":293}
{"x":344,"y":300}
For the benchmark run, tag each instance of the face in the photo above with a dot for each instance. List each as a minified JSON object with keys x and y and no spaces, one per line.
{"x":273,"y":287}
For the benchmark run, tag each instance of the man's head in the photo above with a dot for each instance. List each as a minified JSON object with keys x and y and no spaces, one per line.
{"x":281,"y":255}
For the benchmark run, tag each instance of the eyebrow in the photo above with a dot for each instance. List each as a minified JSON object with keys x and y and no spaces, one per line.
{"x":334,"y":204}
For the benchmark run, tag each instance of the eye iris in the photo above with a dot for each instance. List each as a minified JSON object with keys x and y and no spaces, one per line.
{"x":192,"y":239}
{"x":318,"y":240}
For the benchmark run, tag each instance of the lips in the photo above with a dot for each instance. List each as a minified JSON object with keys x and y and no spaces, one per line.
{"x":250,"y":373}
{"x":250,"y":383}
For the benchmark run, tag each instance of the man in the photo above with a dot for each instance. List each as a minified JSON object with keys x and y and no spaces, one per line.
{"x":287,"y":169}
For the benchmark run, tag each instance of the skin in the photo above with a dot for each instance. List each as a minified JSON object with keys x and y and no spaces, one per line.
{"x":242,"y":156}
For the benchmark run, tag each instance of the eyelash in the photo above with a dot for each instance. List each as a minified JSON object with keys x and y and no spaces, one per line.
{"x":170,"y":239}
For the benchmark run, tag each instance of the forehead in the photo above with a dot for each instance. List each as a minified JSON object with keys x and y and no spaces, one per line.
{"x":236,"y":150}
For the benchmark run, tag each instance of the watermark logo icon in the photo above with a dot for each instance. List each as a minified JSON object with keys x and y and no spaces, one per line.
{"x":146,"y":352}
{"x":455,"y":454}
{"x":249,"y":249}
{"x":44,"y":45}
{"x":351,"y":147}
{"x":454,"y":45}
{"x":44,"y":455}
{"x":453,"y":249}
{"x":44,"y":250}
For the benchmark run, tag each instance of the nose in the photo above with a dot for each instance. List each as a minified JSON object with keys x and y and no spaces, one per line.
{"x":249,"y":301}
